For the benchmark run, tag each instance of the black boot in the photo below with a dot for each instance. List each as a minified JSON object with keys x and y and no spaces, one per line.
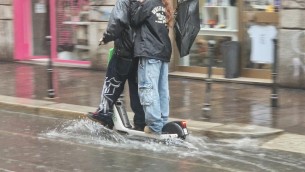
{"x":139,"y":127}
{"x":103,"y":118}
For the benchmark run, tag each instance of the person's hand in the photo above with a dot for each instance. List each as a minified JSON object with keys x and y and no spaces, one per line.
{"x":101,"y":41}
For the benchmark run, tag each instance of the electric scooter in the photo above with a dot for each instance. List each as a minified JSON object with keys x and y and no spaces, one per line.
{"x":171,"y":130}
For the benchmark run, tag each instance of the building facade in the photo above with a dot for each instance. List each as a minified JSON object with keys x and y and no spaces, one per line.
{"x":242,"y":29}
{"x":6,"y":31}
{"x":292,"y":44}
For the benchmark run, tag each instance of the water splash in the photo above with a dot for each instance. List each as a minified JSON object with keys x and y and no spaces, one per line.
{"x":235,"y":155}
{"x":89,"y":132}
{"x":85,"y":131}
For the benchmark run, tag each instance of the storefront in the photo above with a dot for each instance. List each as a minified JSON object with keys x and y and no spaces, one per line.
{"x":76,"y":25}
{"x":25,"y":23}
{"x":66,"y":21}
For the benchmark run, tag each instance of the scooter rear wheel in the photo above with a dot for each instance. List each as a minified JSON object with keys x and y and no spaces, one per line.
{"x":174,"y":128}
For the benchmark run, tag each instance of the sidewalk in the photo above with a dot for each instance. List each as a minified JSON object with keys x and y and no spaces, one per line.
{"x":238,"y":110}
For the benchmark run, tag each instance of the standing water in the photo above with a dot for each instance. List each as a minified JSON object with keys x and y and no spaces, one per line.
{"x":238,"y":155}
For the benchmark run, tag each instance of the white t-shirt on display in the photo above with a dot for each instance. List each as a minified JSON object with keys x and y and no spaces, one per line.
{"x":262,"y":48}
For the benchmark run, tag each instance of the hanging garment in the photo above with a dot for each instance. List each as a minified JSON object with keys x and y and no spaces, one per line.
{"x":187,"y":25}
{"x":262,"y":46}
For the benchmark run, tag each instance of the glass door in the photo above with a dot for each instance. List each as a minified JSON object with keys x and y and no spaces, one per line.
{"x":40,"y":28}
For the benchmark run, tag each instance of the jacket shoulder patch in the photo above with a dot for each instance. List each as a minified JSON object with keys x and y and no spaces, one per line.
{"x":159,"y":12}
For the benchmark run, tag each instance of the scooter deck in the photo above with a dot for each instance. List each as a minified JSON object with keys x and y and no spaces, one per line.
{"x":137,"y":133}
{"x":133,"y":132}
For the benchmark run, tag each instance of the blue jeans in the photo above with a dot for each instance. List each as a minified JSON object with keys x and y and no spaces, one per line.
{"x":154,"y":92}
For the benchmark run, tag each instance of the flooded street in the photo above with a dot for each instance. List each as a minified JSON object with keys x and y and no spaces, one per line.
{"x":41,"y":143}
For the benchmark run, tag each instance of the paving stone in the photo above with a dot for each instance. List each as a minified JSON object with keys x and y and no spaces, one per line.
{"x":287,"y":142}
{"x":241,"y":130}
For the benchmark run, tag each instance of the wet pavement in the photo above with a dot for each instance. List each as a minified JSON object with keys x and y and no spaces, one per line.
{"x":41,"y":143}
{"x":35,"y":141}
{"x":231,"y":102}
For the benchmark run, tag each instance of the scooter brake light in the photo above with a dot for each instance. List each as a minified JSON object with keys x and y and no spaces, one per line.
{"x":183,"y":124}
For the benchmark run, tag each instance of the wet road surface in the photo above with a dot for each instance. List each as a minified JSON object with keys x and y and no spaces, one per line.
{"x":231,"y":103}
{"x":42,"y":143}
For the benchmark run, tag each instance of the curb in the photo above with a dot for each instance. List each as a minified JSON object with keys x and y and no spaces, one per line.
{"x":69,"y":111}
{"x":219,"y":78}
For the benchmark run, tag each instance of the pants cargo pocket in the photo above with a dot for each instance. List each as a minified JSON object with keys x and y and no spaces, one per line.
{"x":145,"y":94}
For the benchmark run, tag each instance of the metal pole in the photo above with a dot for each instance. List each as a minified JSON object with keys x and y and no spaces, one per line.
{"x":274,"y":95}
{"x":51,"y":93}
{"x":207,"y":106}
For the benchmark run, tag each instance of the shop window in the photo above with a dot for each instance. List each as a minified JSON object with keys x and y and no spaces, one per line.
{"x":219,"y":22}
{"x":261,"y":19}
{"x":72,"y":22}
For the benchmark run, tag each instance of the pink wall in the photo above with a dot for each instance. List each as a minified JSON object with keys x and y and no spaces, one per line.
{"x":21,"y":29}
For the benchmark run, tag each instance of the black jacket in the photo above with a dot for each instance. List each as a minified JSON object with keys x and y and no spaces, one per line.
{"x":149,"y":21}
{"x":119,"y":30}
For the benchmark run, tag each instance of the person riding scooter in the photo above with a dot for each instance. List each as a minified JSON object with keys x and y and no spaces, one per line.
{"x":122,"y":67}
{"x":152,"y":20}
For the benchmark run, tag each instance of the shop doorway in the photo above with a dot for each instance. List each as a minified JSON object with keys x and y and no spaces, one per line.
{"x":65,"y":20}
{"x":31,"y":25}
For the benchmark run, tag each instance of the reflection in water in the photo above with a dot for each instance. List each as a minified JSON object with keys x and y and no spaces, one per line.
{"x":260,"y":113}
{"x":231,"y":103}
{"x":187,"y":93}
{"x":237,"y":155}
{"x":24,"y":81}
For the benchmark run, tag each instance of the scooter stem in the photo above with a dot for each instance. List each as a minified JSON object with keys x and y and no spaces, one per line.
{"x":122,"y":112}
